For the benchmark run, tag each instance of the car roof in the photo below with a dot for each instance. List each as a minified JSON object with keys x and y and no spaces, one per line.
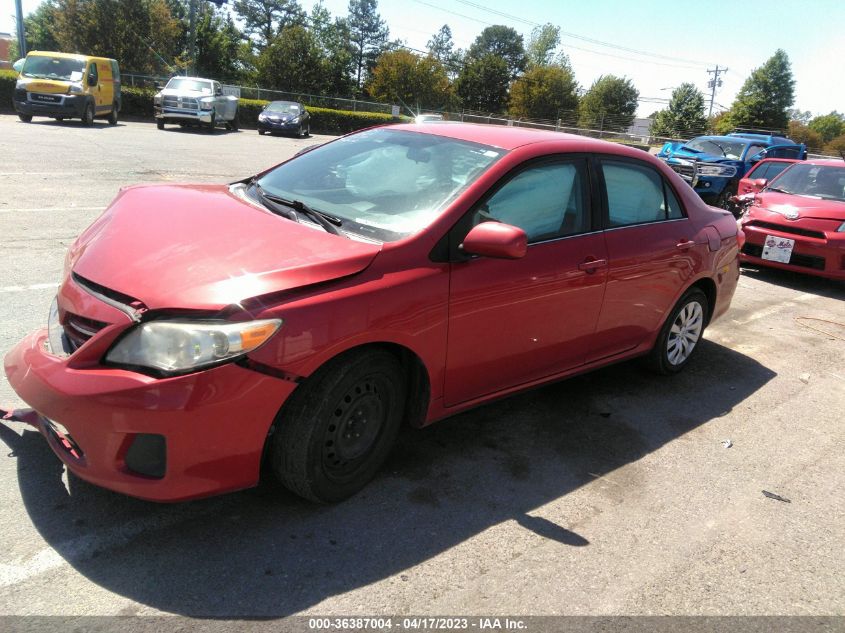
{"x":506,"y":137}
{"x":825,"y":162}
{"x":284,"y":101}
{"x":78,"y":56}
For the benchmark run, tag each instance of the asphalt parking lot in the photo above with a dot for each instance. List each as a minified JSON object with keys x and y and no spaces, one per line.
{"x":611,"y":493}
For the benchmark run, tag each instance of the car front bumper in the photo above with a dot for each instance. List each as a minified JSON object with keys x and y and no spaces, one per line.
{"x":176,"y":115}
{"x":208,"y":427}
{"x":822,"y":257}
{"x":66,"y":105}
{"x":279,"y":126}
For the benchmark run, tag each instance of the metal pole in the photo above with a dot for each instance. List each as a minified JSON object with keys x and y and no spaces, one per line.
{"x":192,"y":41}
{"x":714,"y":83}
{"x":21,"y":34}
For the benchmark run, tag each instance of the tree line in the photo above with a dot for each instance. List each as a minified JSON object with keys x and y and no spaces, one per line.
{"x":278,"y":44}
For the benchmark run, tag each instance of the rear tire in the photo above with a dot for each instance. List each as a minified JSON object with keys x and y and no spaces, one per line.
{"x":26,"y":118}
{"x":113,"y":115}
{"x":261,"y":132}
{"x":334,"y":434}
{"x":88,"y":116}
{"x":160,"y":124}
{"x":681,"y":333}
{"x":233,"y":124}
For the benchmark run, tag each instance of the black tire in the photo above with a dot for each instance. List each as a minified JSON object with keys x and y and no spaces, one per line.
{"x":679,"y":333}
{"x":212,"y":124}
{"x":261,"y":132}
{"x":26,"y":118}
{"x":59,"y":118}
{"x":160,"y":124}
{"x":300,"y":133}
{"x":233,"y":124}
{"x":317,"y":450}
{"x":307,"y":130}
{"x":88,"y":115}
{"x":113,"y":115}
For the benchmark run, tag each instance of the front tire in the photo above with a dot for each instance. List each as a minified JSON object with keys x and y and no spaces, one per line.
{"x":88,"y":116}
{"x":113,"y":115}
{"x":160,"y":124}
{"x":681,"y":333}
{"x":26,"y":118}
{"x":212,"y":124}
{"x":261,"y":132}
{"x":334,"y":434}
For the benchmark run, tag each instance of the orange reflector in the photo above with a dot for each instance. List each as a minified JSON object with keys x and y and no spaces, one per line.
{"x":255,"y":336}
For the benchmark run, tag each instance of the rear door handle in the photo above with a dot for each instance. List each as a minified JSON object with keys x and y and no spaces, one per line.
{"x":685,"y":244}
{"x":590,"y":265}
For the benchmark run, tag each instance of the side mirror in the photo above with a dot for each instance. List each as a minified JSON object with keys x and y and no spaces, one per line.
{"x":92,"y":80}
{"x":18,"y":65}
{"x":158,"y":85}
{"x":495,"y":239}
{"x":760,"y":183}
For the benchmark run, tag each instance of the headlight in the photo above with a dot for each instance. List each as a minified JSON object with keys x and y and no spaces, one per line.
{"x":294,"y":120}
{"x":20,"y":84}
{"x":180,"y":346}
{"x":726,"y":171}
{"x":206,"y":105}
{"x":157,"y":99}
{"x":75,"y":89}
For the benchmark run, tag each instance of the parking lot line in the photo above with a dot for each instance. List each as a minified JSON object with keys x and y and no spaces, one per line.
{"x":39,"y":209}
{"x":29,"y":287}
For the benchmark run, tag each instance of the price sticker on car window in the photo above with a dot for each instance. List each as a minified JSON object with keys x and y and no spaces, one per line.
{"x":778,"y":249}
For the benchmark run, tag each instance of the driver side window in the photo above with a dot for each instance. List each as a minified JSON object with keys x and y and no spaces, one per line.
{"x":546,"y":201}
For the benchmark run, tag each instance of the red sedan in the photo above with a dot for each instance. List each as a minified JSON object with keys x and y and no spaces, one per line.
{"x":400,"y":274}
{"x":764,"y":171}
{"x":798,"y":221}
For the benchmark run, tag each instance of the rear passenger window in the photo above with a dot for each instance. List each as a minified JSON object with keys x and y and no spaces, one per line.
{"x":546,"y":201}
{"x":637,"y":194}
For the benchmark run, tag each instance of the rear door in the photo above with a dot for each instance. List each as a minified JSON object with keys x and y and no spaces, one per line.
{"x":514,"y":321}
{"x":650,"y":250}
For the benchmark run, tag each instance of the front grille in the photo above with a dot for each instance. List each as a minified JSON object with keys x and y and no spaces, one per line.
{"x":79,"y":329}
{"x":805,"y":261}
{"x":34,"y":96}
{"x":785,"y":228}
{"x":180,"y":103}
{"x":685,"y":171}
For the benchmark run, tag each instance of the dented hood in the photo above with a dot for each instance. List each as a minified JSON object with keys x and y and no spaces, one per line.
{"x":803,"y":206}
{"x":201,"y":247}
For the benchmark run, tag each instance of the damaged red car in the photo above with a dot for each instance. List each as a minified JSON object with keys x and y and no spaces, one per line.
{"x":797,"y":222}
{"x":401,"y":274}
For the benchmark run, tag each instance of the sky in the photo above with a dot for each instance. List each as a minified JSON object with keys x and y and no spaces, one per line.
{"x":677,"y":40}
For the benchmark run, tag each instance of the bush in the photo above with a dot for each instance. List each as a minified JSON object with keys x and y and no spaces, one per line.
{"x":136,"y":102}
{"x":7,"y":89}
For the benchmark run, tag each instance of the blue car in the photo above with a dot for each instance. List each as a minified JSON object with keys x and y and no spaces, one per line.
{"x":714,"y":165}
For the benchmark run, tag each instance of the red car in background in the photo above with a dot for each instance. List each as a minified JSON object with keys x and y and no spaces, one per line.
{"x":396,"y":275}
{"x":798,"y":221}
{"x":761,"y":173}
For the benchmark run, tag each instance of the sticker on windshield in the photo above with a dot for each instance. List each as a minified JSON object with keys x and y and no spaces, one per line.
{"x":76,"y":75}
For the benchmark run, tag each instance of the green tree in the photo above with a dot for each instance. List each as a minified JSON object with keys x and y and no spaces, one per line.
{"x":609,"y":104}
{"x":829,"y":126}
{"x":218,"y":46}
{"x":442,"y":48}
{"x":368,"y":36}
{"x":292,"y":63}
{"x":142,"y":35}
{"x":400,"y":76}
{"x":763,"y":101}
{"x":483,"y":84}
{"x":800,"y":133}
{"x":38,"y":27}
{"x":333,"y":37}
{"x":802,"y":116}
{"x":541,"y":49}
{"x":836,"y":147}
{"x":503,"y":42}
{"x":543,"y":92}
{"x":684,"y":118}
{"x":265,"y":19}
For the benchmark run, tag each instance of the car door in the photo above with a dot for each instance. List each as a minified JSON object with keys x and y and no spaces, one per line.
{"x":93,"y":83}
{"x":650,"y":251}
{"x":105,"y":98}
{"x":514,"y":321}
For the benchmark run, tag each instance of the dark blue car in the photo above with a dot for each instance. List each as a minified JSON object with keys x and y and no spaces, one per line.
{"x":714,"y":165}
{"x":289,"y":117}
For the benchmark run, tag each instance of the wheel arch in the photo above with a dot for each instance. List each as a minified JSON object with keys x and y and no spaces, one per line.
{"x":708,"y":287}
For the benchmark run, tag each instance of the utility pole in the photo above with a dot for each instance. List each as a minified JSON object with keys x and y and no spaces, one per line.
{"x":21,"y":35}
{"x":713,"y":84}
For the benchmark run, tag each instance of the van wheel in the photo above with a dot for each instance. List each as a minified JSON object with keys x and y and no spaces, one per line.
{"x":26,"y":118}
{"x":88,"y":116}
{"x":113,"y":115}
{"x":339,"y":426}
{"x":160,"y":124}
{"x":681,"y":334}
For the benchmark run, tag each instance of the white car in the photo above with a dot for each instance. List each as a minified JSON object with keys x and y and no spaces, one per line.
{"x":195,"y":101}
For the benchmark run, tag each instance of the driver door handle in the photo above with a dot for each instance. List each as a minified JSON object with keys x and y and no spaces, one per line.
{"x":590,"y":265}
{"x":685,"y":244}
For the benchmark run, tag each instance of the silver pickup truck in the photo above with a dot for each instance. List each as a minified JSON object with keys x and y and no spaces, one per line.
{"x":195,"y":101}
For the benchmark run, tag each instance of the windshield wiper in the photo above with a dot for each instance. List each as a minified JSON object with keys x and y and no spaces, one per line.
{"x":777,"y":190}
{"x":289,"y":209}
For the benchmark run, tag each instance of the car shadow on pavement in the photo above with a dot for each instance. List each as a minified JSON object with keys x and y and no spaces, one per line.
{"x":830,"y":288}
{"x":265,"y":553}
